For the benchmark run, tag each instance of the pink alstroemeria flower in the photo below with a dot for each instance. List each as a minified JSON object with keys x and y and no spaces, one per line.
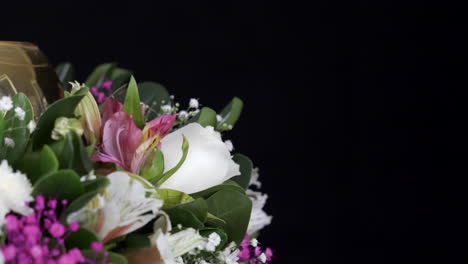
{"x":123,"y":143}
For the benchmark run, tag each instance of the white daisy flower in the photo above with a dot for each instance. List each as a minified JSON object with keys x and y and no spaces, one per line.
{"x":15,"y":191}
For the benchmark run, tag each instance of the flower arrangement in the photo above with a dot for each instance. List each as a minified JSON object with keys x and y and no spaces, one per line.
{"x":119,"y":172}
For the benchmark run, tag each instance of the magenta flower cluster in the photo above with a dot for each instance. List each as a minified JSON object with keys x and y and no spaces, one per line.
{"x":39,"y":238}
{"x":103,"y":92}
{"x":253,"y":254}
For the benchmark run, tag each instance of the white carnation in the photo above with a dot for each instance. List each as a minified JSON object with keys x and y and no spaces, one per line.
{"x":15,"y":191}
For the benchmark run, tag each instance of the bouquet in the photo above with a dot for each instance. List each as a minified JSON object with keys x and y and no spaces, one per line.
{"x":118,"y":172}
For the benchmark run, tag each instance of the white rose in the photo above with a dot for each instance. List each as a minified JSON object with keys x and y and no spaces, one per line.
{"x":208,"y":161}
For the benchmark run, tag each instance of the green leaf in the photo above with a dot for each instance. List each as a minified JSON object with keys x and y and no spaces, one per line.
{"x":38,"y":164}
{"x":72,"y":154}
{"x":91,"y":190}
{"x":61,"y":108}
{"x":81,"y":239}
{"x":227,"y":185}
{"x":234,"y":208}
{"x":153,"y":95}
{"x":63,"y":184}
{"x":245,"y":167}
{"x":154,"y":166}
{"x":206,"y":117}
{"x":98,"y":184}
{"x":172,"y":197}
{"x":16,"y":129}
{"x":99,"y":74}
{"x":212,"y":220}
{"x":198,"y":207}
{"x":230,"y":114}
{"x":132,"y":103}
{"x":169,"y":173}
{"x":113,"y":257}
{"x":66,"y":74}
{"x":184,"y":217}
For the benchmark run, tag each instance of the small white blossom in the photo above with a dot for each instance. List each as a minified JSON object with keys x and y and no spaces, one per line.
{"x":262,"y":257}
{"x":193,"y":103}
{"x":9,"y":142}
{"x":219,"y":118}
{"x":19,"y":112}
{"x":254,"y":179}
{"x":31,"y":126}
{"x":213,"y":241}
{"x":183,"y":115}
{"x":5,"y":103}
{"x":2,"y":259}
{"x":15,"y":191}
{"x":89,"y":177}
{"x":166,"y":108}
{"x":229,"y":145}
{"x":179,"y":260}
{"x":254,"y":242}
{"x":229,"y":254}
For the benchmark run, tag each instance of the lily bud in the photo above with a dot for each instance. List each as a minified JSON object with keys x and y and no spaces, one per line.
{"x":89,"y":116}
{"x":64,"y":125}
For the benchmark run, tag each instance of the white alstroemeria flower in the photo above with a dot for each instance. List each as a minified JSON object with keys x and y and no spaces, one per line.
{"x":208,"y":162}
{"x":122,"y":208}
{"x":15,"y":191}
{"x":258,"y":218}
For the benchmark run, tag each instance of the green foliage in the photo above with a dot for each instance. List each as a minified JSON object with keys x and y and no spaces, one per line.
{"x":169,"y":173}
{"x":72,"y":154}
{"x":91,"y":189}
{"x":154,"y":95}
{"x":66,"y":74}
{"x":61,"y":108}
{"x":206,"y":117}
{"x":227,"y":185}
{"x":132,"y":103}
{"x":136,"y":240}
{"x":184,"y":217}
{"x":100,"y":73}
{"x":234,"y":208}
{"x":38,"y":164}
{"x":62,"y":184}
{"x":154,"y":166}
{"x":172,"y":198}
{"x":230,"y":114}
{"x":81,"y":239}
{"x":246,"y":167}
{"x":16,"y":129}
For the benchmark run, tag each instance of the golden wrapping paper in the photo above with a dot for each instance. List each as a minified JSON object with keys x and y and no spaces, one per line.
{"x":25,"y":69}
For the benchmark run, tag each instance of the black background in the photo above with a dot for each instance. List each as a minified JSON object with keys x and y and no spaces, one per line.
{"x":350,"y":108}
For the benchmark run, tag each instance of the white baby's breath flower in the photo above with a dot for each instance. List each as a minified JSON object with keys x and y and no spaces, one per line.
{"x":212,"y":242}
{"x":15,"y":191}
{"x":5,"y":103}
{"x":31,"y":126}
{"x":219,"y":118}
{"x":229,"y":145}
{"x":254,"y":242}
{"x":254,"y":179}
{"x":183,"y":115}
{"x":19,"y":113}
{"x":193,"y":103}
{"x":9,"y":142}
{"x":262,"y":257}
{"x":258,"y":218}
{"x":179,"y":260}
{"x":229,"y":254}
{"x":166,"y":108}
